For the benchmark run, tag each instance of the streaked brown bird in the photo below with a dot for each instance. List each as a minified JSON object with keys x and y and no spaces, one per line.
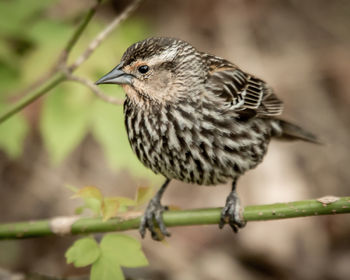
{"x":197,"y":118}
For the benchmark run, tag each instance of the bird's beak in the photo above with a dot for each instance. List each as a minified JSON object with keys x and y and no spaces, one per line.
{"x":116,"y":76}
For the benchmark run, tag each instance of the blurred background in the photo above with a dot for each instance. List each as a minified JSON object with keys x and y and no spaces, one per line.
{"x":301,"y":48}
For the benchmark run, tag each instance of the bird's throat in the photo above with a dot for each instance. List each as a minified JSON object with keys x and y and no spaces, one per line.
{"x":133,"y":94}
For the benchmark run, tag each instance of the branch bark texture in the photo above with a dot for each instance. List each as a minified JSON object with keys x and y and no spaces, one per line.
{"x":74,"y":225}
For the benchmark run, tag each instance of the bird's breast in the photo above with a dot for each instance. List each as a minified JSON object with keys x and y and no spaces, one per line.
{"x":191,"y":144}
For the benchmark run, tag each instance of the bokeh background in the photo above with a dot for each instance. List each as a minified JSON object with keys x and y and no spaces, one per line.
{"x":301,"y":48}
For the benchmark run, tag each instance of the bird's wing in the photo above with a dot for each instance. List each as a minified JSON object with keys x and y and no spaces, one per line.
{"x":244,"y":93}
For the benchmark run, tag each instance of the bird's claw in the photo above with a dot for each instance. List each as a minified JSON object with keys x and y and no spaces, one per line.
{"x":154,"y":212}
{"x":232,"y":213}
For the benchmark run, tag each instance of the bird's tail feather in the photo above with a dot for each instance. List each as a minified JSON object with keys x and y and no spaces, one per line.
{"x":287,"y":131}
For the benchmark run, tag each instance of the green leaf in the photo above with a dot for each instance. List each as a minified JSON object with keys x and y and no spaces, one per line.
{"x":123,"y":249}
{"x":83,"y":252}
{"x":110,"y":208}
{"x":48,"y":31}
{"x":92,"y":204}
{"x":12,"y":134}
{"x":79,"y":210}
{"x":133,"y":30}
{"x":14,"y":13}
{"x":93,"y":199}
{"x":143,"y":195}
{"x":108,"y":128}
{"x":48,"y":38}
{"x":123,"y":202}
{"x":106,"y":269}
{"x":64,"y":120}
{"x":89,"y":192}
{"x":9,"y":76}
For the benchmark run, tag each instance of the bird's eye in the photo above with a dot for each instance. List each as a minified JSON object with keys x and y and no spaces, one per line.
{"x":143,"y":69}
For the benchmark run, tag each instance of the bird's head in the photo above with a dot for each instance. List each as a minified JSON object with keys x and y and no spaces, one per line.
{"x":158,"y":70}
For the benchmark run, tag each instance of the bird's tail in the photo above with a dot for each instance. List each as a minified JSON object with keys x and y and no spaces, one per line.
{"x":287,"y":131}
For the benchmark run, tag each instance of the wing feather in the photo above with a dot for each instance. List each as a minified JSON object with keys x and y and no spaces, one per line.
{"x":243,"y":92}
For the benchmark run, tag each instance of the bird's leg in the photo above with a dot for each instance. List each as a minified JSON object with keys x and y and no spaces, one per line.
{"x":232,"y":212}
{"x":153,"y":212}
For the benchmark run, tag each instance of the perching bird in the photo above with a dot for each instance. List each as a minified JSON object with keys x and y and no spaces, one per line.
{"x":197,"y":118}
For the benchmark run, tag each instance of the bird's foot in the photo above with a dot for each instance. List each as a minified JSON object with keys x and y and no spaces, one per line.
{"x":154,"y":212}
{"x":232,"y":213}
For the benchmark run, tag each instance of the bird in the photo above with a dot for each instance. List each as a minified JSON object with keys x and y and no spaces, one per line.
{"x":197,"y":118}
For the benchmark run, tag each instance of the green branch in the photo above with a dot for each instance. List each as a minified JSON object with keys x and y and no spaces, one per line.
{"x":83,"y":24}
{"x":34,"y":95}
{"x":60,"y":71}
{"x":55,"y":76}
{"x":75,"y":225}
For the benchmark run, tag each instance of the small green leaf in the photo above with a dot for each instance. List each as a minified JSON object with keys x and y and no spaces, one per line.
{"x":89,"y":192}
{"x":93,"y":204}
{"x":124,"y":203}
{"x":110,"y":208}
{"x":122,"y":209}
{"x":48,"y":38}
{"x":9,"y":73}
{"x":83,"y":252}
{"x":124,"y":200}
{"x":12,"y":134}
{"x":79,"y":210}
{"x":106,"y":269}
{"x":143,"y":195}
{"x":123,"y":249}
{"x":14,"y":13}
{"x":93,"y":199}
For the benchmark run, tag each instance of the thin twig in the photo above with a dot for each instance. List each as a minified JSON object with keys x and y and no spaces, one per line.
{"x":74,"y":225}
{"x":77,"y":34}
{"x":60,"y":71}
{"x":96,"y":90}
{"x":16,"y":95}
{"x":51,"y":83}
{"x":62,"y":58}
{"x":103,"y":34}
